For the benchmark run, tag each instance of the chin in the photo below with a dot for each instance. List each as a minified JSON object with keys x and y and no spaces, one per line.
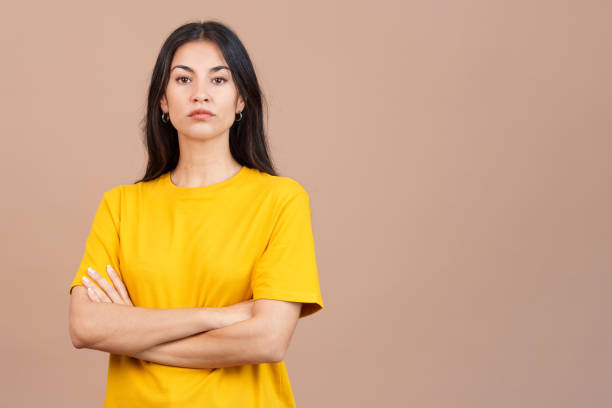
{"x":200,"y":135}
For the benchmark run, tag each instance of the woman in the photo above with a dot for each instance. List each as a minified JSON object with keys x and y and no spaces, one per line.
{"x":210,"y":255}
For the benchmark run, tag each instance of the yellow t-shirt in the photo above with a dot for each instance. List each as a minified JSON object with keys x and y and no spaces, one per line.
{"x":212,"y":246}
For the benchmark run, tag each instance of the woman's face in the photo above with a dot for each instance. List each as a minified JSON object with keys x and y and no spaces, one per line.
{"x":197,"y":82}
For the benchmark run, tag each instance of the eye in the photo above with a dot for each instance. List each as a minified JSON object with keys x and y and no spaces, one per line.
{"x":224,"y":80}
{"x":181,"y":77}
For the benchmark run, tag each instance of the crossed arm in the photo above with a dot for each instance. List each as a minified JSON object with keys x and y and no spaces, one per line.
{"x":264,"y":338}
{"x":184,"y":337}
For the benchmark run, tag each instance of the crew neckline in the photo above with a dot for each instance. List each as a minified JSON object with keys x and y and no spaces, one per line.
{"x":202,"y":190}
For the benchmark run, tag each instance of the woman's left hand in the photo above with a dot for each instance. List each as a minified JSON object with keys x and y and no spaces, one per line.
{"x":111,"y":294}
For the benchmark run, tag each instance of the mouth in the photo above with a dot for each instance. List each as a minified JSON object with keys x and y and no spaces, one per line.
{"x":201,"y":116}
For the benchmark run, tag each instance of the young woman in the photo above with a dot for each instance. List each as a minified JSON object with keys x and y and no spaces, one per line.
{"x":194,"y":277}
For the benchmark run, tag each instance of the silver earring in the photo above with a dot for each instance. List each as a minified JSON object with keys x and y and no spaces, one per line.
{"x":165,"y":117}
{"x":240,"y":117}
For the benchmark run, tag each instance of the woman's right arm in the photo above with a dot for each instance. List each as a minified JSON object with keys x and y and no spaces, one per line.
{"x":123,"y":329}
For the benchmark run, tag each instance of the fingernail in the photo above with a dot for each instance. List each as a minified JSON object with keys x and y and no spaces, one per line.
{"x":91,"y":271}
{"x":108,"y":268}
{"x":84,"y":278}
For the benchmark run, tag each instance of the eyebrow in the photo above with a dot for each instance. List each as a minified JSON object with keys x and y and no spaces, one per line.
{"x":213,"y":69}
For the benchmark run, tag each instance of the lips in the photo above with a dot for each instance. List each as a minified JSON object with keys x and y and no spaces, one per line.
{"x":200,"y":112}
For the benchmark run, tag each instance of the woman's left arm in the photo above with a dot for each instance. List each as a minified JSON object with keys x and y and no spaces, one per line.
{"x":264,"y":338}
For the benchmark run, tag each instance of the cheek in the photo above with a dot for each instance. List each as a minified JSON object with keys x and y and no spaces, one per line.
{"x":224,"y":119}
{"x":175,"y":95}
{"x":226,"y":109}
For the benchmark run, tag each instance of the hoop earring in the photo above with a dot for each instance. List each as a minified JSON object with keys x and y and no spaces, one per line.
{"x":165,"y":117}
{"x":240,"y":117}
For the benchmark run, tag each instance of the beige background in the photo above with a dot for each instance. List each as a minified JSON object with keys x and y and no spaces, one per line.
{"x":457,"y":156}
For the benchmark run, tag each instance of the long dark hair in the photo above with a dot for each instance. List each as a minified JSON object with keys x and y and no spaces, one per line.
{"x":247,"y":139}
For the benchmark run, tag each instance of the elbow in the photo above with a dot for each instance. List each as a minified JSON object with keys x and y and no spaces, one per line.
{"x":77,"y":335}
{"x":277,"y":357}
{"x":274,"y":343}
{"x":78,"y":315}
{"x":275,"y":351}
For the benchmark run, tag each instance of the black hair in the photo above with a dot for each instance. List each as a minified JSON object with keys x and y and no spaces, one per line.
{"x":247,"y":138}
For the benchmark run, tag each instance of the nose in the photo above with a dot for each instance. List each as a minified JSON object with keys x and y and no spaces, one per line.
{"x":201,"y":98}
{"x":201,"y":94}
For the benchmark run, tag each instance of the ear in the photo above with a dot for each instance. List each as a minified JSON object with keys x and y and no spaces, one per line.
{"x":240,"y":105}
{"x":163,"y":102}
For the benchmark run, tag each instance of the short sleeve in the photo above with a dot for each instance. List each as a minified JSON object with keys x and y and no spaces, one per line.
{"x":287,"y":268}
{"x":102,"y":244}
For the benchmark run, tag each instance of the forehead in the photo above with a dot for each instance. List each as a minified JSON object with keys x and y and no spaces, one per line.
{"x":199,"y":55}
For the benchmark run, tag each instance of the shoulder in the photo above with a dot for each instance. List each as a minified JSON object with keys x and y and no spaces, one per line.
{"x":111,"y":201}
{"x":281,"y":187}
{"x":115,"y":195}
{"x":114,"y":192}
{"x":284,"y":196}
{"x":122,"y":191}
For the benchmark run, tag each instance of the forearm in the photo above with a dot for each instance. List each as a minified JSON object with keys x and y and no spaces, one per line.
{"x":245,"y":342}
{"x":122,"y":329}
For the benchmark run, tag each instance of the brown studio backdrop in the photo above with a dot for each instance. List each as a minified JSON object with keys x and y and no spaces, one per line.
{"x":457,"y":159}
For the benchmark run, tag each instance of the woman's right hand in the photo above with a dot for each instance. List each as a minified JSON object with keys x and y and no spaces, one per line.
{"x":237,"y":312}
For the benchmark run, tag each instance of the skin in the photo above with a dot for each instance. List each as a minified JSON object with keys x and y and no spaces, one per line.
{"x":205,"y":156}
{"x":115,"y":293}
{"x":205,"y":159}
